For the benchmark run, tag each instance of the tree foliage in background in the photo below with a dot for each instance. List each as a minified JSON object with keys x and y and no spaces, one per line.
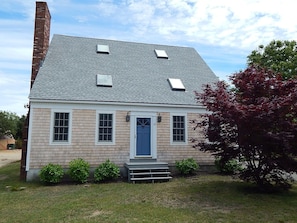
{"x":20,"y":126}
{"x":255,"y":123}
{"x":280,"y":56}
{"x":10,"y":123}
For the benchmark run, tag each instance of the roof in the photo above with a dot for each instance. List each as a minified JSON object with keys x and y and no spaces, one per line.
{"x":71,"y":65}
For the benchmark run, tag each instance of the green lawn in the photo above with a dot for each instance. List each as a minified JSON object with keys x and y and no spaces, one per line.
{"x":204,"y":198}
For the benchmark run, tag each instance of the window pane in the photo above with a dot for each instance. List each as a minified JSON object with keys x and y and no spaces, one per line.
{"x":178,"y":129}
{"x":105,"y":128}
{"x":61,"y":126}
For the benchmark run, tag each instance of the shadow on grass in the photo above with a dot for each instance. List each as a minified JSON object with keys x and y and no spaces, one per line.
{"x":220,"y":187}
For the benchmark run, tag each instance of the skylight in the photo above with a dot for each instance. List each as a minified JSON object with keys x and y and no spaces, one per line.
{"x":161,"y":54}
{"x":102,"y":49}
{"x":176,"y":84}
{"x":104,"y":80}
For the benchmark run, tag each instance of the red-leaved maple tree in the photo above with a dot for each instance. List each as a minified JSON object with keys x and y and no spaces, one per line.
{"x":254,"y":122}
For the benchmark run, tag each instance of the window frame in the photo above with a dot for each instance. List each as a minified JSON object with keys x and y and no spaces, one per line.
{"x":52,"y":126}
{"x":185,"y":142}
{"x":112,"y":142}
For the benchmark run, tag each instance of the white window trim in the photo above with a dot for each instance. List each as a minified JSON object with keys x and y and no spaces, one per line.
{"x":113,"y":127}
{"x":52,"y":142}
{"x":171,"y":129}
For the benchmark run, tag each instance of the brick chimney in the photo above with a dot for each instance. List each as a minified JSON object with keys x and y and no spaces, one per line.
{"x":41,"y":37}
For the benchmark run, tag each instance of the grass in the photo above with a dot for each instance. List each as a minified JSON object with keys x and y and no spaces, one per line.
{"x":204,"y":198}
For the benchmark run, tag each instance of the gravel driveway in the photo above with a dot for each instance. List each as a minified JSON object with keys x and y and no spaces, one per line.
{"x":9,"y":156}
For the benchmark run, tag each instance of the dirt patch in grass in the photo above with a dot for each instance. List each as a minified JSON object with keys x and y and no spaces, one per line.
{"x":98,"y":213}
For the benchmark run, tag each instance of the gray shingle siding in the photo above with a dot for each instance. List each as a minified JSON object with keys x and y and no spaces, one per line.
{"x":71,"y":65}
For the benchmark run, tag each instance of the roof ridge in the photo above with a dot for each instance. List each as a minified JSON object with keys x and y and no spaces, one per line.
{"x":123,"y":41}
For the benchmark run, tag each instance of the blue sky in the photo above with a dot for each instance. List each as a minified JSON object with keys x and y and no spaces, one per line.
{"x":223,"y":32}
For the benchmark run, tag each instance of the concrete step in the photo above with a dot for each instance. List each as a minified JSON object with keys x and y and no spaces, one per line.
{"x":149,"y":168}
{"x":148,"y":171}
{"x":146,"y":164}
{"x":152,"y":179}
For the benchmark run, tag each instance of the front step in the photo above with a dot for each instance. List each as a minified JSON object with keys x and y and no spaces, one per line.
{"x":148,"y":171}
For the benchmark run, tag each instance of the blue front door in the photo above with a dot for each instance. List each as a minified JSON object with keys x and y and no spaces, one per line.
{"x":143,"y":140}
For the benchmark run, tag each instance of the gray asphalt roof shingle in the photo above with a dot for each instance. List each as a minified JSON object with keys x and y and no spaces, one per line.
{"x":71,"y":65}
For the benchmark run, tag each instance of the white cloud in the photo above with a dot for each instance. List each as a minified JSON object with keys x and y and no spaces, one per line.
{"x":107,"y":7}
{"x":16,"y":40}
{"x":209,"y":22}
{"x":223,"y":32}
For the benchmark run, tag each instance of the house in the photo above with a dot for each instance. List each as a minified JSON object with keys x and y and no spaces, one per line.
{"x":101,"y":99}
{"x":7,"y":142}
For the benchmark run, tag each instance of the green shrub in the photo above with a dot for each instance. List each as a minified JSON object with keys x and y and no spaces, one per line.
{"x":51,"y":173}
{"x":79,"y":170}
{"x":230,"y":167}
{"x":106,"y":171}
{"x":187,"y":166}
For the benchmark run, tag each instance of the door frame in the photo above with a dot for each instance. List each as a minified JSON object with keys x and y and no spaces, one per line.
{"x":133,"y":133}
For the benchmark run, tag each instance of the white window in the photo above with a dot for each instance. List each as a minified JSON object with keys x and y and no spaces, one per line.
{"x":176,"y":84}
{"x":61,"y":127}
{"x":105,"y":130}
{"x":102,"y":49}
{"x":104,"y":80}
{"x":178,"y":129}
{"x":161,"y":54}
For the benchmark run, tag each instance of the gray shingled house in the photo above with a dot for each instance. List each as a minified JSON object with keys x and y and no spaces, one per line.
{"x":103,"y":99}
